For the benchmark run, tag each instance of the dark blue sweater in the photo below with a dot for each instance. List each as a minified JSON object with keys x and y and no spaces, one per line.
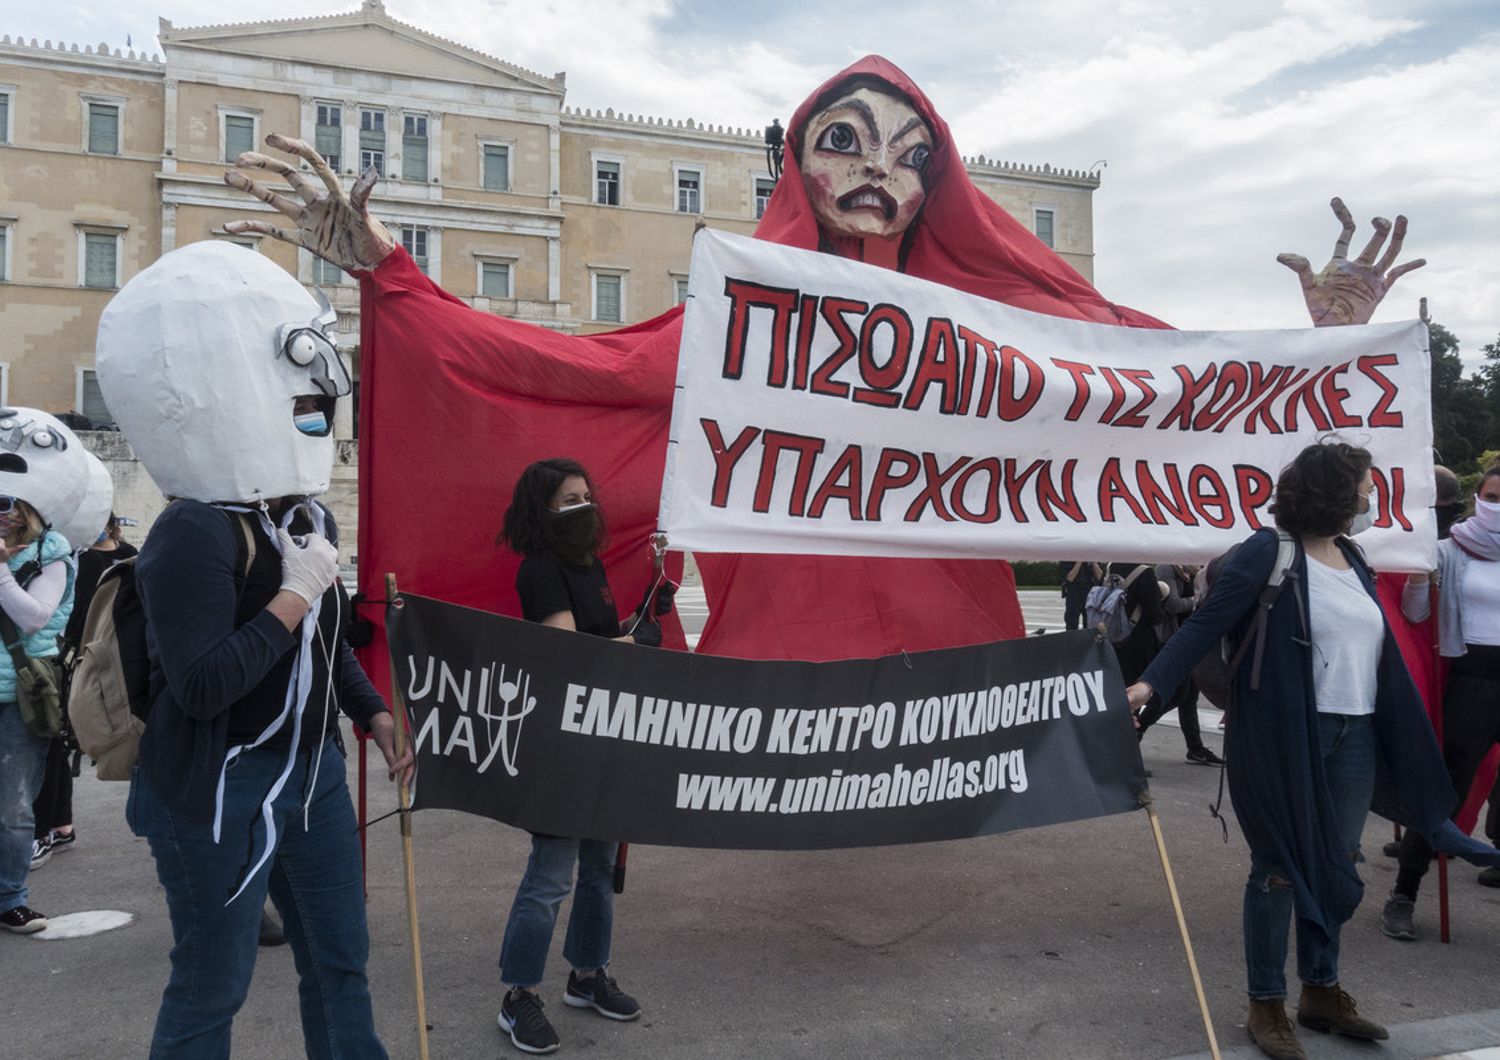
{"x":220,"y":662}
{"x":1276,"y":775}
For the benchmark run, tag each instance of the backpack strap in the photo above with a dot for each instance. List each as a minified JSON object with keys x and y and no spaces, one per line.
{"x":1287,"y":552}
{"x":244,"y":551}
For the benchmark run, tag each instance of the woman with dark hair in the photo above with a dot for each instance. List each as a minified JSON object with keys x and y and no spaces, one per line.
{"x":1327,"y":722}
{"x":555,"y":523}
{"x":1468,"y":579}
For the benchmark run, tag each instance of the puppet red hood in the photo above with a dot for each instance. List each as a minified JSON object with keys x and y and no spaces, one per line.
{"x":962,"y":238}
{"x":455,"y":403}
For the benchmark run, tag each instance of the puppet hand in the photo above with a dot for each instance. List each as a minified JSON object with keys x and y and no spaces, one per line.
{"x":1347,"y":292}
{"x":333,"y":224}
{"x":310,"y":568}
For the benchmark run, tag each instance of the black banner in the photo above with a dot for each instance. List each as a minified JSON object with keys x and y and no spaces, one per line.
{"x":567,"y":734}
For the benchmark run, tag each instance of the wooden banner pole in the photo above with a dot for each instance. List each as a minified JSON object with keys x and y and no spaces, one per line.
{"x":1182,"y":928}
{"x":407,"y":855}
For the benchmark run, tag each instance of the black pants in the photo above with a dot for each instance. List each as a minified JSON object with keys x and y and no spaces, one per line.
{"x":1471,"y":726}
{"x":54,"y":803}
{"x":1073,"y":601}
{"x":1184,"y":700}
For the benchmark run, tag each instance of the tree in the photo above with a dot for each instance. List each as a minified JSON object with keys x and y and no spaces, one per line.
{"x":1464,"y":409}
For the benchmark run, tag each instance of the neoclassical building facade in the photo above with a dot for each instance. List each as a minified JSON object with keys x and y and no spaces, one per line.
{"x":570,"y":218}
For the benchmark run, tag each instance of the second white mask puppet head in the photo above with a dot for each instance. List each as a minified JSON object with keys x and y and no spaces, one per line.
{"x":43,"y":463}
{"x":221,"y":370}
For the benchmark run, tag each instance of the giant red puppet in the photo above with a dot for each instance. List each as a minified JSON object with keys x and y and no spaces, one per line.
{"x":456,"y":402}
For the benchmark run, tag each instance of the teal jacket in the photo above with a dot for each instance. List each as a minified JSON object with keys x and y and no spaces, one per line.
{"x":43,"y":642}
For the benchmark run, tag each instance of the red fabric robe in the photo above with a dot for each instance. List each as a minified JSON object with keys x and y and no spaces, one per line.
{"x":455,"y":403}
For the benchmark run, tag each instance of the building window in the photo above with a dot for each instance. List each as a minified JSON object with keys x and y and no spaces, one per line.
{"x":328,"y":134}
{"x":1044,"y":226}
{"x":609,"y":297}
{"x":607,"y":183}
{"x":763,"y":188}
{"x":239,"y":135}
{"x":414,"y":239}
{"x":327,"y":274}
{"x":4,"y":253}
{"x":6,"y":95}
{"x":372,"y":140}
{"x":679,"y":290}
{"x":101,"y":260}
{"x":4,"y":384}
{"x":495,"y":164}
{"x":494,"y":279}
{"x":414,"y":147}
{"x":689,"y":191}
{"x":91,"y":398}
{"x":104,"y":129}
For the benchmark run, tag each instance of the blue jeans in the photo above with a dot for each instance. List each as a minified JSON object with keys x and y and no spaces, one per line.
{"x":533,"y":914}
{"x":23,"y":759}
{"x":1348,"y":749}
{"x":314,"y":878}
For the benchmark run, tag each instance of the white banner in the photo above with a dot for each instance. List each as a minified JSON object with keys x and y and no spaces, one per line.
{"x":826,"y":406}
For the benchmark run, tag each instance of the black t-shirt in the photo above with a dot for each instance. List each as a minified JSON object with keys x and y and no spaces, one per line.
{"x":92,"y":563}
{"x":547,"y":585}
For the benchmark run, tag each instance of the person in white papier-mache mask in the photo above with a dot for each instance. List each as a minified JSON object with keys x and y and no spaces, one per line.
{"x":43,"y":480}
{"x":222,"y":372}
{"x":53,"y":808}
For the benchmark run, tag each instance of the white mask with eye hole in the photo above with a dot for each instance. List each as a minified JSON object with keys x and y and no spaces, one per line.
{"x":42,"y":463}
{"x":88,"y":523}
{"x":223,"y":372}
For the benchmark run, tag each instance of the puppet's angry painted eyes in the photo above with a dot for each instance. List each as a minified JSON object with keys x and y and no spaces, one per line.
{"x":864,"y":167}
{"x":839,"y":137}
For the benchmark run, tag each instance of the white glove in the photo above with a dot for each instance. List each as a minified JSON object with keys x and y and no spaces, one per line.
{"x":307,"y":569}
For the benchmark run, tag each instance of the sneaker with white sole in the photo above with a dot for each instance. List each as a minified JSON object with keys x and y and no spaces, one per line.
{"x":522,"y":1016}
{"x":599,"y":991}
{"x":41,"y":852}
{"x":61,"y":841}
{"x":23,"y":921}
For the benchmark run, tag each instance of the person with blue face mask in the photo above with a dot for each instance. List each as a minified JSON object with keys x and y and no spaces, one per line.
{"x":1468,"y":578}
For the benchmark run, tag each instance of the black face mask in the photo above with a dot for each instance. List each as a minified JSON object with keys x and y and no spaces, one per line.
{"x":571,"y":534}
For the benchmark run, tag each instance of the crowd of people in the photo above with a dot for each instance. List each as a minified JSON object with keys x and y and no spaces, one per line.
{"x":239,"y":788}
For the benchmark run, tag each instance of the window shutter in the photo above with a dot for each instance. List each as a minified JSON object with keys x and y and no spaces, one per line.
{"x":496,"y":167}
{"x":99,"y":260}
{"x":104,"y":129}
{"x":239,"y":136}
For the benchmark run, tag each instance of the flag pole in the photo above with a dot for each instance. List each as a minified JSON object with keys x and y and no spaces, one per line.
{"x":1182,"y":928}
{"x":409,"y":860}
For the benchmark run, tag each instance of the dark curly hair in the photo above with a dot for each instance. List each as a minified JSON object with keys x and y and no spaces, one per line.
{"x":1317,"y":494}
{"x":526,"y":521}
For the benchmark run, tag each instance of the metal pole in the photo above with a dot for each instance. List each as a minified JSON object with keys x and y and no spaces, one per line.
{"x":1182,"y":928}
{"x":409,"y":859}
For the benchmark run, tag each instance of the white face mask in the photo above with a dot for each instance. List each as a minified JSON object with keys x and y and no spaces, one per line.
{"x":1362,"y":521}
{"x":1487,"y":515}
{"x":43,"y":463}
{"x":202,"y":357}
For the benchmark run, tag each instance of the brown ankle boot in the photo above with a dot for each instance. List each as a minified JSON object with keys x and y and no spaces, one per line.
{"x":1328,"y":1008}
{"x":1271,"y":1030}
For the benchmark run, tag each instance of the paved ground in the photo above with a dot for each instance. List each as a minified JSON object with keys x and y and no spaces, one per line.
{"x":1051,"y":943}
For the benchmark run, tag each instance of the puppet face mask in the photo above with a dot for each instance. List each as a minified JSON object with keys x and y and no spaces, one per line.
{"x":42,"y":463}
{"x":863,"y":158}
{"x":221,"y":370}
{"x":88,"y":523}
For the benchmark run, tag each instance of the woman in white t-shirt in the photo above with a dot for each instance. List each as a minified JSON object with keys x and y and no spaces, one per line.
{"x":1302,"y":739}
{"x":1469,"y":637}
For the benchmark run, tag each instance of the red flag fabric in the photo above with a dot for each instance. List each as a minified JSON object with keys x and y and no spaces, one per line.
{"x":1429,"y":670}
{"x":455,"y":403}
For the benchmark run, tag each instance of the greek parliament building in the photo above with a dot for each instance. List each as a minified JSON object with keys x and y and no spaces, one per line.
{"x":578,"y":219}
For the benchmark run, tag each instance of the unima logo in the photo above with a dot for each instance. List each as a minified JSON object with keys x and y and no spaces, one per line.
{"x":497,"y":697}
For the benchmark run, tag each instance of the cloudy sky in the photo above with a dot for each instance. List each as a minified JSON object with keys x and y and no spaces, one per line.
{"x":1226,"y":128}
